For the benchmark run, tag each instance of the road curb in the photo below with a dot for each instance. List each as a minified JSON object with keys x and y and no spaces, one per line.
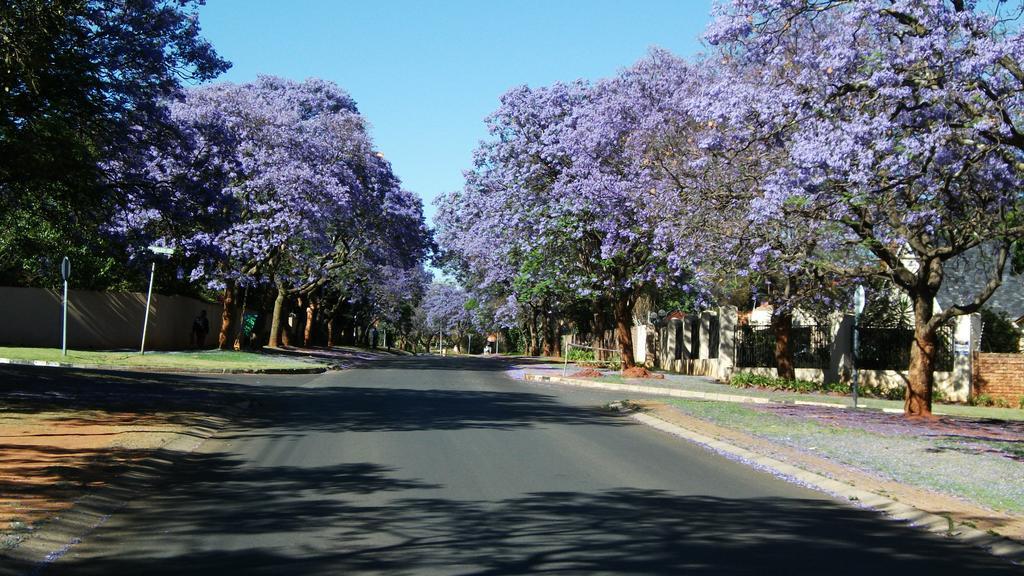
{"x":49,"y":364}
{"x":996,"y":545}
{"x":61,"y":533}
{"x":694,"y":395}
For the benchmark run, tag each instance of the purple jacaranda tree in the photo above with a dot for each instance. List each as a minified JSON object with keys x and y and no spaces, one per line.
{"x":555,"y":209}
{"x":901,"y":124}
{"x":394,"y":293}
{"x":707,"y":193}
{"x":377,"y":250}
{"x":254,"y":159}
{"x":285,"y":189}
{"x":488,"y":230}
{"x":448,"y":311}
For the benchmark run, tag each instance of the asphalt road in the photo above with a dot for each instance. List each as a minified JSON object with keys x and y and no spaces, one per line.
{"x":446,"y":466}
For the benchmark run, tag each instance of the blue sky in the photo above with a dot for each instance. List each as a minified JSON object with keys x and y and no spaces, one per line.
{"x":426,"y":73}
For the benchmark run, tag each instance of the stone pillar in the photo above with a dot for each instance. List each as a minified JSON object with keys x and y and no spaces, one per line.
{"x":728,"y":316}
{"x":705,"y":325}
{"x":639,"y":345}
{"x":670,"y":343}
{"x":840,"y":364}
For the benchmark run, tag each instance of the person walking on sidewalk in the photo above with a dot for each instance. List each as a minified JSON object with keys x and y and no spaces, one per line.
{"x":200,"y":328}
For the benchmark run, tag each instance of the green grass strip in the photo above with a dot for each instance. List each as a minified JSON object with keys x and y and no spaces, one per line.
{"x":198,"y":360}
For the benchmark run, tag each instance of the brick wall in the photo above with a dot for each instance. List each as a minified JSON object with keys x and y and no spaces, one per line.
{"x":999,"y":376}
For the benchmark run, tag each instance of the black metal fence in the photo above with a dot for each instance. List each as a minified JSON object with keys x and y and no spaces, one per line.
{"x":694,"y":337}
{"x":755,"y":347}
{"x":713,"y":337}
{"x":811,"y":345}
{"x":889,"y":348}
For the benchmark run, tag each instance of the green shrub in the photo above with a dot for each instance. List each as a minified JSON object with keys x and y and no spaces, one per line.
{"x":747,"y":380}
{"x":578,"y":354}
{"x":585,"y":355}
{"x":837,"y":387}
{"x":980,"y":400}
{"x":891,"y":393}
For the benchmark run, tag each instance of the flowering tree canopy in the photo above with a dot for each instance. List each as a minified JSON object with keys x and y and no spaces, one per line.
{"x":556,"y":208}
{"x":274,"y":182}
{"x":706,"y":186}
{"x":266,"y":168}
{"x":901,"y":126}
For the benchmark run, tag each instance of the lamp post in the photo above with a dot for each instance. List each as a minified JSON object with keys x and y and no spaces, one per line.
{"x":149,"y":294}
{"x":65,"y":274}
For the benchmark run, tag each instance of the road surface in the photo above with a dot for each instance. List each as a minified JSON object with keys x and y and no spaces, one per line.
{"x":433,"y":465}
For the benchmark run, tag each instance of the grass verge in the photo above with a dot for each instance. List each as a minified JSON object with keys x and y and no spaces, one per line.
{"x":976,"y":469}
{"x":215,"y":360}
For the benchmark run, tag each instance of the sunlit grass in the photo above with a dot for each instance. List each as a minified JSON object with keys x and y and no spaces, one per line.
{"x":194,"y":360}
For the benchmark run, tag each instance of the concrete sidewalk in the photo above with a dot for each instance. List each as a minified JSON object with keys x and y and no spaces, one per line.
{"x":706,"y":388}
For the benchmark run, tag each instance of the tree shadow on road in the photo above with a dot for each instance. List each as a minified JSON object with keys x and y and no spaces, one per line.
{"x":214,"y":515}
{"x":283,"y":520}
{"x":284,"y":402}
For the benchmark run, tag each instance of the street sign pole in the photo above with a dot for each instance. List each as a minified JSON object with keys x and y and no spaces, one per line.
{"x":149,"y":298}
{"x":858,"y":307}
{"x":65,"y":273}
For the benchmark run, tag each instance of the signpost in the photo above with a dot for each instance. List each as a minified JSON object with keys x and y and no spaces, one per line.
{"x":65,"y":274}
{"x":858,"y":308}
{"x":149,"y":294}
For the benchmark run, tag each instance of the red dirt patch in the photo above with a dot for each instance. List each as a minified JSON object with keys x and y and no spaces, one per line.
{"x":641,"y":372}
{"x":588,"y":373}
{"x":50,"y":459}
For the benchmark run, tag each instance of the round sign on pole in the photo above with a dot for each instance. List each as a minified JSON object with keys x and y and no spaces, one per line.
{"x":65,"y":269}
{"x":859,"y":300}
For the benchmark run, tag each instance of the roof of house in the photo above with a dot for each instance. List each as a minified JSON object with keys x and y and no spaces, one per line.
{"x":967,"y":274}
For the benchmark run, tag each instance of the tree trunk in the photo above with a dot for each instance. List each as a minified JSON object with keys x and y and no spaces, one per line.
{"x":921,"y":375}
{"x":551,"y":344}
{"x":624,"y":336}
{"x":307,"y":336}
{"x":531,"y":328}
{"x":292,"y":329}
{"x":782,"y":327}
{"x":227,"y":316}
{"x":276,"y":327}
{"x":330,"y":332}
{"x":597,"y":329}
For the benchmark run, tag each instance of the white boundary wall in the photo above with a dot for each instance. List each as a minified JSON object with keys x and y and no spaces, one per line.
{"x":955,"y":385}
